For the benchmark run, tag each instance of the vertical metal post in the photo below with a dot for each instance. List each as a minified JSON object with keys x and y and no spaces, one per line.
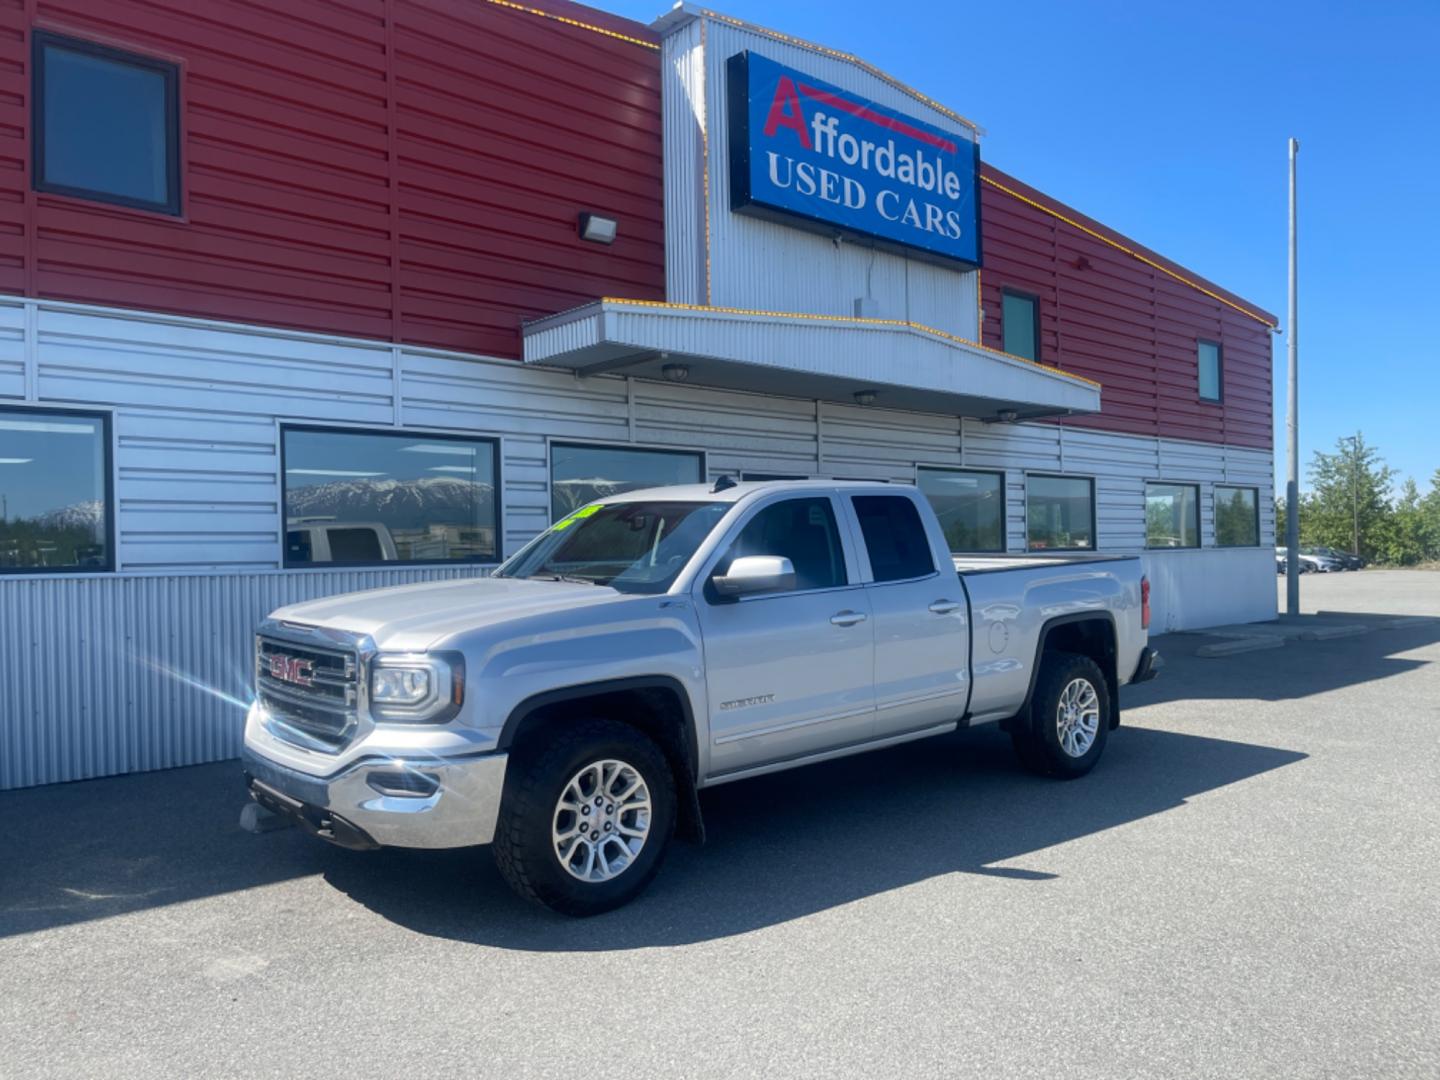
{"x":1292,"y":422}
{"x":1355,"y":492}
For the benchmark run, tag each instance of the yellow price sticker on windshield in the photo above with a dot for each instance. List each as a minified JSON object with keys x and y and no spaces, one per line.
{"x":579,"y":515}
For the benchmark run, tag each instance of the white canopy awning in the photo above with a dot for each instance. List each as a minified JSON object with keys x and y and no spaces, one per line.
{"x":831,"y":358}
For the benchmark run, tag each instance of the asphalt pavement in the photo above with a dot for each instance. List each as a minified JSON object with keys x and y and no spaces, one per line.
{"x":1247,"y":886}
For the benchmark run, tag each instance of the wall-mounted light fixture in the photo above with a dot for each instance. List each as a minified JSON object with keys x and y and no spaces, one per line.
{"x":864,"y":397}
{"x":675,"y":372}
{"x":1008,"y":416}
{"x":597,"y":229}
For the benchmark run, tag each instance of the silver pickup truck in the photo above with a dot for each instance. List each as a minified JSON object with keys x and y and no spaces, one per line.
{"x":567,"y":709}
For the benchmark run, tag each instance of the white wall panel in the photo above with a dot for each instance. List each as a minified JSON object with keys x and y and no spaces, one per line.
{"x":869,"y":443}
{"x":12,"y":349}
{"x":682,"y":91}
{"x":1210,"y":587}
{"x":106,"y":675}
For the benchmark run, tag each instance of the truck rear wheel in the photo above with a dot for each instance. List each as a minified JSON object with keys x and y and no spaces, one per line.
{"x":1063,"y":732}
{"x":587,"y":814}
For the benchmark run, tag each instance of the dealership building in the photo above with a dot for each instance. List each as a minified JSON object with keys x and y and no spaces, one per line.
{"x":305,"y":298}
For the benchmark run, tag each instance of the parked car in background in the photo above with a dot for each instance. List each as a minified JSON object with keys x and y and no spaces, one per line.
{"x":1346,"y":560}
{"x":1321,"y":560}
{"x":1282,"y":562}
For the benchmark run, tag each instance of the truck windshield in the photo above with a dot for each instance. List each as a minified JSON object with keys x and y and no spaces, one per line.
{"x":637,"y":547}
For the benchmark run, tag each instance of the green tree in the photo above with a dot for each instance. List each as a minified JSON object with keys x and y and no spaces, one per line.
{"x":1430,"y":517}
{"x":1406,"y":537}
{"x":1349,"y":498}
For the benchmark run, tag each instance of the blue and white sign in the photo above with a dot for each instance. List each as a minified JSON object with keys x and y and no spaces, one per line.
{"x":829,"y":159}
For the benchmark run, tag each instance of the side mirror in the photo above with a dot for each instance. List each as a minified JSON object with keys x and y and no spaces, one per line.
{"x":756,"y":574}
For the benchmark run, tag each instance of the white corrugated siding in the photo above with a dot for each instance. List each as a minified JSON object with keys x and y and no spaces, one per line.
{"x":93,"y":668}
{"x":106,"y":675}
{"x":12,"y":349}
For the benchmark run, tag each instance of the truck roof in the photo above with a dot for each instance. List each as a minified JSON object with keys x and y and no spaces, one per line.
{"x":707,"y":492}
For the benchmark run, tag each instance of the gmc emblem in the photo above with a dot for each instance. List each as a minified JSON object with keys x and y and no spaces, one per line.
{"x":292,"y":669}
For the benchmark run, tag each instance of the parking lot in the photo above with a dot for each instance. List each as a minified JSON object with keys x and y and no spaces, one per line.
{"x":1246,"y":886}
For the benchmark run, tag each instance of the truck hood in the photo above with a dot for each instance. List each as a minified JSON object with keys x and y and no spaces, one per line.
{"x":412,"y":618}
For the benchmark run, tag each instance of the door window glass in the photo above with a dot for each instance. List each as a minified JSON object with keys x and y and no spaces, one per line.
{"x":895,"y":537}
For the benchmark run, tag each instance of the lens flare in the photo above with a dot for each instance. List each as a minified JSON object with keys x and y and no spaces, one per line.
{"x":198,"y":684}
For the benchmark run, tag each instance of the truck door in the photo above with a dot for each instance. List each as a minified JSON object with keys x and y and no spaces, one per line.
{"x":789,"y":673}
{"x":922,"y":637}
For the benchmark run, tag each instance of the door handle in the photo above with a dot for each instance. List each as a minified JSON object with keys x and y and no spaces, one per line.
{"x":847,"y":618}
{"x":945,"y":607}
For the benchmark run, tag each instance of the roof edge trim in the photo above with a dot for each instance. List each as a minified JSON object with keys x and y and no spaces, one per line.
{"x":683,"y":12}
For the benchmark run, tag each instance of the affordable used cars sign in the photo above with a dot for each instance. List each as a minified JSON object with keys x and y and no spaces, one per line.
{"x":831,"y":160}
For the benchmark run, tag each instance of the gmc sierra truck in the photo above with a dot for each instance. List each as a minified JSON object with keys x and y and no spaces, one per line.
{"x":568,"y":708}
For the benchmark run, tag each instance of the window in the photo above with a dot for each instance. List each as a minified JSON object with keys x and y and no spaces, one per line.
{"x":895,"y":537}
{"x":581,"y":474}
{"x":1237,"y":517}
{"x":375,"y":497}
{"x":1060,"y":513}
{"x":107,"y":124}
{"x":801,"y":530}
{"x":1172,"y":516}
{"x":1020,"y":324}
{"x":970,"y":506}
{"x":1208,"y":353}
{"x":55,"y":504}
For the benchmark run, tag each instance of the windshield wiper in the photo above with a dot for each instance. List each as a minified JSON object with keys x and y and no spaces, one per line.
{"x":569,"y":579}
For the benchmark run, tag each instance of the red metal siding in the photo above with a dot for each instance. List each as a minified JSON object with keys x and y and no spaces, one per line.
{"x":1122,"y":318}
{"x":412,"y":170}
{"x":409,"y":170}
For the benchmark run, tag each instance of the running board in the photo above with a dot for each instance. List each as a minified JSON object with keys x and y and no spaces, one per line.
{"x":830,"y":755}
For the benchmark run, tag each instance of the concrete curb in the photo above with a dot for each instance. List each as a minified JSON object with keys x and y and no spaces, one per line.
{"x":1240,"y":645}
{"x":1328,"y":632}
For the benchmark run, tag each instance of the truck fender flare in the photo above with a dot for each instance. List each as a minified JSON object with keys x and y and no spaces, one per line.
{"x":1064,"y":620}
{"x":690,"y":819}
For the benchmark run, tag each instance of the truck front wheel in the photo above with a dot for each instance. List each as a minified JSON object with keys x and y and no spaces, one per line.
{"x":1063,"y":732}
{"x":588,"y":811}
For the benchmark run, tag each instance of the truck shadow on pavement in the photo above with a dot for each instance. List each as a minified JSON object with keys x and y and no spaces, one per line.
{"x":781,"y":846}
{"x":785,"y":846}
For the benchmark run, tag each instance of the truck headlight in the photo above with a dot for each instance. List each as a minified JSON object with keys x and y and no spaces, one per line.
{"x":400,"y":686}
{"x":416,"y":688}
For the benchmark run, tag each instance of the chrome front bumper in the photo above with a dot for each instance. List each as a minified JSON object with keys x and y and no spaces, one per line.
{"x":389,"y":802}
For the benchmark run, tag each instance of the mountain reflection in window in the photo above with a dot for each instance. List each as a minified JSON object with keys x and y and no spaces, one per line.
{"x":363,"y":498}
{"x":581,"y":474}
{"x":54,"y":513}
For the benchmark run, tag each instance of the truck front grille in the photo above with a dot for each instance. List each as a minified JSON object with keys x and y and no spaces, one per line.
{"x":311,"y":688}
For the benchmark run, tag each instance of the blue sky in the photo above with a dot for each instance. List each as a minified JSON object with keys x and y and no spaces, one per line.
{"x":1168,"y":122}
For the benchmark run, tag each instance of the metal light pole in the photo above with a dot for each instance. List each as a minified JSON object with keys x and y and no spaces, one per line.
{"x":1292,"y":424}
{"x":1354,"y":441}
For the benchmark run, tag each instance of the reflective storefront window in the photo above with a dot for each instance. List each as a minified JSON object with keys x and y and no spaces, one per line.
{"x":1172,"y":515}
{"x":970,"y":506}
{"x":1237,"y":517}
{"x":367,"y":497}
{"x":54,"y":491}
{"x":1060,"y":512}
{"x":580,"y":474}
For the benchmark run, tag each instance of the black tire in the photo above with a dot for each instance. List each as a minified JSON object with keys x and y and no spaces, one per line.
{"x":538,"y":774}
{"x":1036,"y":732}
